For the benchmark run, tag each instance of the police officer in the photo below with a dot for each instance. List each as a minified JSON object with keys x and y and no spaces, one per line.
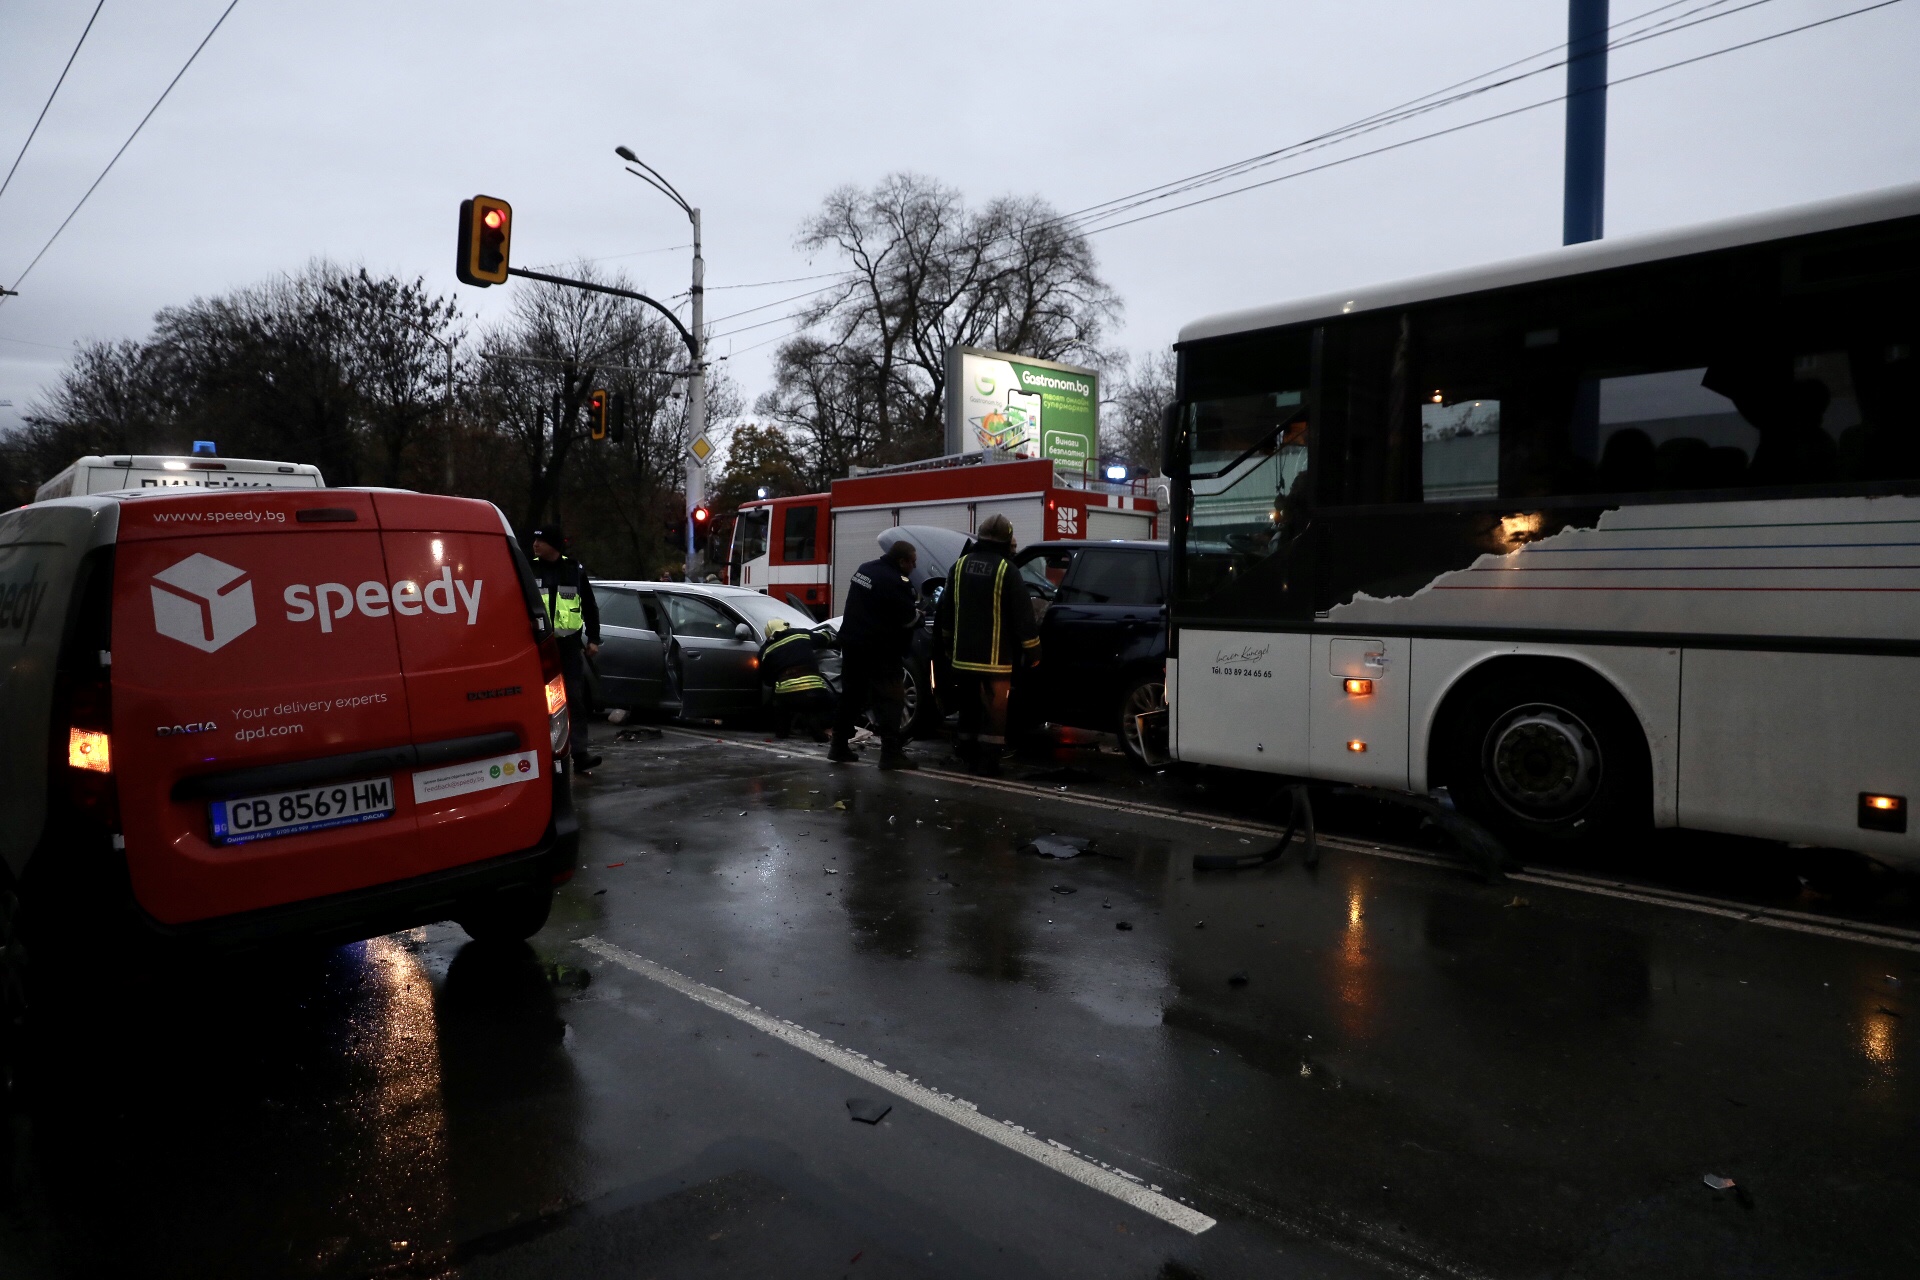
{"x":875,"y":633}
{"x":568,"y":594}
{"x":983,"y":628}
{"x":789,"y":663}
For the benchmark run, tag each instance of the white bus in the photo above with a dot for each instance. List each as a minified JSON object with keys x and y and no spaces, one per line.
{"x":96,"y":474}
{"x":1627,"y":533}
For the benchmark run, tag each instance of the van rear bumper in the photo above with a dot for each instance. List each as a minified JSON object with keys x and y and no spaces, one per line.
{"x":385,"y":908}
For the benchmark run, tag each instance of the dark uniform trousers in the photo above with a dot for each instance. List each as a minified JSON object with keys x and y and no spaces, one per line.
{"x":980,"y":697}
{"x":573,"y":671}
{"x":876,"y":680}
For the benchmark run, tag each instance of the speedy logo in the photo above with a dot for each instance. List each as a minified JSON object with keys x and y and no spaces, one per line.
{"x":203,"y":602}
{"x":331,"y":601}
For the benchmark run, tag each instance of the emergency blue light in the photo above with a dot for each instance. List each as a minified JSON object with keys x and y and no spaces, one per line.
{"x":1116,"y":472}
{"x":204,"y":448}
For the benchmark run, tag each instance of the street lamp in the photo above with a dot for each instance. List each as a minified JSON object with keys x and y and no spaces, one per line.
{"x":697,"y":379}
{"x":449,"y":348}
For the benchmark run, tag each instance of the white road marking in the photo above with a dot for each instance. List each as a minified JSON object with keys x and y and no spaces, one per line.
{"x":1768,"y":917}
{"x":1101,"y":1177}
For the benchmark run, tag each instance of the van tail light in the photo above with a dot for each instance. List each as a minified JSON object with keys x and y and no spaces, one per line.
{"x":559,"y":724}
{"x":88,"y":749}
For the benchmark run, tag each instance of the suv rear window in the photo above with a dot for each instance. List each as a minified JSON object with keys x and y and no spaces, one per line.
{"x":1114,"y":577}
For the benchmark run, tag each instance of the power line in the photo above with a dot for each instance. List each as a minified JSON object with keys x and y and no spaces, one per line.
{"x":50,"y":97}
{"x":1501,"y":115}
{"x":1381,"y":120}
{"x":1082,"y":220}
{"x":762,"y":284}
{"x":123,"y":146}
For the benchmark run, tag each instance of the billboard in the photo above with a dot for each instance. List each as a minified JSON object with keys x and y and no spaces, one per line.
{"x":1032,"y":408}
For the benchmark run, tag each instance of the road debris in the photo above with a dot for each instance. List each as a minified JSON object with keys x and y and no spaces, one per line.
{"x":1239,"y":979}
{"x":1064,"y":888}
{"x":1123,"y":926}
{"x":867,"y":1111}
{"x":1057,"y":846}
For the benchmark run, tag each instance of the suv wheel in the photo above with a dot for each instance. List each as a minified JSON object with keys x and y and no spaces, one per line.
{"x":512,"y":915}
{"x":1556,"y":756}
{"x":1142,"y":697}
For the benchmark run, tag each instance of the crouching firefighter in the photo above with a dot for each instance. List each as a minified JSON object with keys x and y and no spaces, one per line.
{"x":984,"y":627}
{"x":789,"y":661}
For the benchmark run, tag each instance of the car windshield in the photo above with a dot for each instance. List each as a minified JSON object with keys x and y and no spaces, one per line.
{"x":760,"y":610}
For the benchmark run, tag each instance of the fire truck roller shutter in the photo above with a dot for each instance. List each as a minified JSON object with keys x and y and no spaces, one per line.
{"x":1027,"y":515}
{"x":957,"y":516}
{"x":1107,"y":522}
{"x":855,"y":541}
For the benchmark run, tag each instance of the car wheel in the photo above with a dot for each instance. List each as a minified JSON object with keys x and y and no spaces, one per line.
{"x":1144,"y":696}
{"x":1555,"y":756}
{"x":512,"y":915}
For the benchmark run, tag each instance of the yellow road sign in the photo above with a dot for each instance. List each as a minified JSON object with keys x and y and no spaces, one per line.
{"x":701,"y":448}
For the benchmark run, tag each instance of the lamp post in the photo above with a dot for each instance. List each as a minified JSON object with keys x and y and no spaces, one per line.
{"x":447,"y":347}
{"x":697,"y":379}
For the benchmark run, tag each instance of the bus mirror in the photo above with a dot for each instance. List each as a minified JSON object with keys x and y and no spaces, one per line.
{"x":1169,"y":424}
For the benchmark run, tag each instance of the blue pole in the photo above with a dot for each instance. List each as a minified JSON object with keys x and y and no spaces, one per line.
{"x":1586,"y":191}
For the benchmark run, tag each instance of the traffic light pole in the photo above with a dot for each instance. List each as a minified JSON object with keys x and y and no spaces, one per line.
{"x":696,"y":482}
{"x":1583,"y":215}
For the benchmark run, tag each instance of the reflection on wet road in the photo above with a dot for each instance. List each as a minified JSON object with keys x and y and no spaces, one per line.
{"x":1381,"y":1067}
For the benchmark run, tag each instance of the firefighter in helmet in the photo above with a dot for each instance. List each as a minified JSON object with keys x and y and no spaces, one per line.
{"x":984,"y":629}
{"x":789,"y":662}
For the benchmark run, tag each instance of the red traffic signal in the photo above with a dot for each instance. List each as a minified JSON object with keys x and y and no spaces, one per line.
{"x":701,"y":514}
{"x":486,"y":233}
{"x":597,"y":414}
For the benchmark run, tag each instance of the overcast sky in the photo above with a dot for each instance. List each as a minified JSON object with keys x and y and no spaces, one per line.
{"x":352,"y":130}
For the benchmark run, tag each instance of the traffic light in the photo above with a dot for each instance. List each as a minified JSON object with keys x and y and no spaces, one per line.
{"x":597,"y":414}
{"x":486,"y":228}
{"x":702,"y":518}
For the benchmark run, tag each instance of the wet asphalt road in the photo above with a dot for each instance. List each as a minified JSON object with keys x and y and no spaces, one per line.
{"x":1379,"y":1067}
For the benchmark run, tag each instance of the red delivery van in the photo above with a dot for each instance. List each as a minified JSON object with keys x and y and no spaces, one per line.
{"x":270,"y":713}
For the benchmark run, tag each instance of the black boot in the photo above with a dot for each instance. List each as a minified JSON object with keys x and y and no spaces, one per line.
{"x":841,"y":753}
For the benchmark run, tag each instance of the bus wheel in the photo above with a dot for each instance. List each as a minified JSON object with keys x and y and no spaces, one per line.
{"x":1555,"y":755}
{"x":511,"y":915}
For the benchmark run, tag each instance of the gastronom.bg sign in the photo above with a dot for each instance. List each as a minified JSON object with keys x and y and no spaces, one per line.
{"x":1032,"y":408}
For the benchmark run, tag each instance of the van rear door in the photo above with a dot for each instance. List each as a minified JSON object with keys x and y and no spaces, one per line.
{"x":468,"y":653}
{"x":258,"y":656}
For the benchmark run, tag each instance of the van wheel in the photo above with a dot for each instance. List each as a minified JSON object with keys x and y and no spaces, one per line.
{"x":512,"y":915}
{"x":1552,"y":755}
{"x":1144,"y":696}
{"x":13,"y":997}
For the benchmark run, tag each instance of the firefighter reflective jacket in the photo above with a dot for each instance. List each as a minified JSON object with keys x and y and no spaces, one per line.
{"x":985,"y":619}
{"x":789,"y":663}
{"x":568,"y":594}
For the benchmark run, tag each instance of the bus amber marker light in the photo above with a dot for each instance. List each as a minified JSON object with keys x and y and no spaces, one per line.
{"x":1359,"y":689}
{"x":1356,"y":745}
{"x":1882,"y":812}
{"x":88,"y":749}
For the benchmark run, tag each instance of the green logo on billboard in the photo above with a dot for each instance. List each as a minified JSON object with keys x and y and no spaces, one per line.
{"x":494,"y":771}
{"x":984,"y":384}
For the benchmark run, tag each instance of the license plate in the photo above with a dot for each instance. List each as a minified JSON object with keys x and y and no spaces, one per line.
{"x":289,"y":813}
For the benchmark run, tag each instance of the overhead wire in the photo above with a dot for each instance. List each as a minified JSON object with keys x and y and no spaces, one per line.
{"x":1488,"y":119}
{"x":123,"y":146}
{"x":1085,"y":220}
{"x":8,"y":180}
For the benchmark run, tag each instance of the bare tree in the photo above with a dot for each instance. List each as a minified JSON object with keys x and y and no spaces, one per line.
{"x":867,"y":379}
{"x":1131,"y":421}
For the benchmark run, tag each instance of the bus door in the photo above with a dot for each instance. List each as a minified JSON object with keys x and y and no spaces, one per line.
{"x":1358,"y":709}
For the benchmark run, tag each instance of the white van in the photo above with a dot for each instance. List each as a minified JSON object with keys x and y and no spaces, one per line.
{"x":95,"y":474}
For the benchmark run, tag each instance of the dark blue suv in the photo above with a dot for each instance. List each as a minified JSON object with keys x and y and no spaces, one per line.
{"x":1103,"y":635}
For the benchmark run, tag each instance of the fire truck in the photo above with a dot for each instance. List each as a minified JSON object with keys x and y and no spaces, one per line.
{"x":804,"y":549}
